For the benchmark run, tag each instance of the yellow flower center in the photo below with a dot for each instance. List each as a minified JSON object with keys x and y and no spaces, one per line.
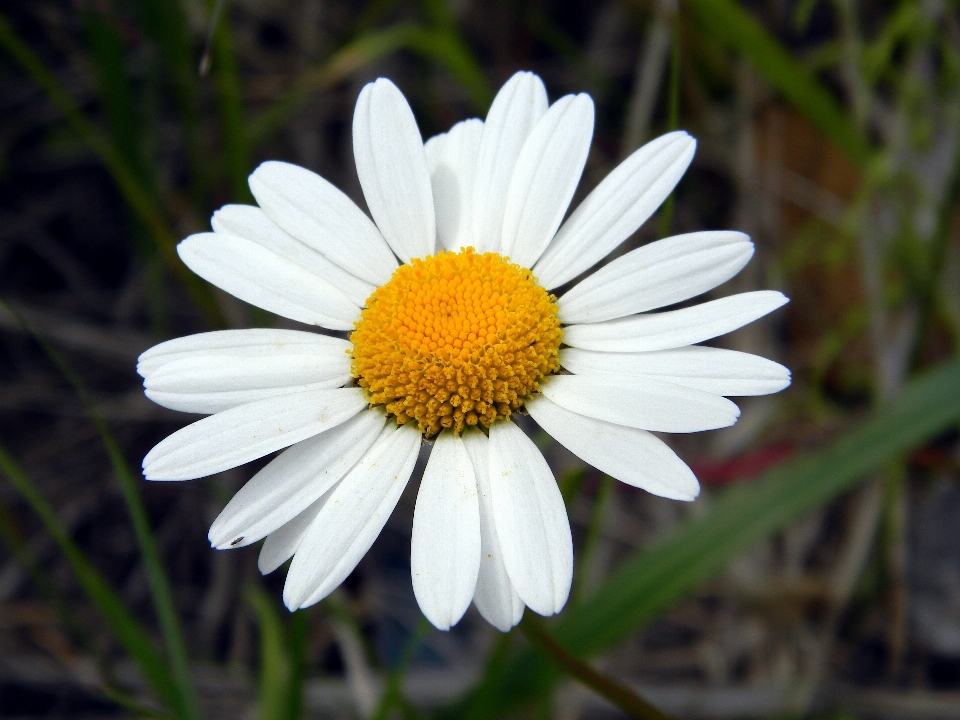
{"x":456,"y":339}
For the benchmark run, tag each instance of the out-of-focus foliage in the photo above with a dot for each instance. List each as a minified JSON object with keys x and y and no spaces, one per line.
{"x":828,"y":129}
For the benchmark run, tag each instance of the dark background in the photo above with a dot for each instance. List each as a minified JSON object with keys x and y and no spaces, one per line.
{"x":137,"y":120}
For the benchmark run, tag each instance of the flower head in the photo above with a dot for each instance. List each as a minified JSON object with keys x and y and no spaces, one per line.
{"x":451,"y":328}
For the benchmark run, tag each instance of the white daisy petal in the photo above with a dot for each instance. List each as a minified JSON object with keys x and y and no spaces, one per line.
{"x":494,"y":596}
{"x":642,"y":403}
{"x":282,"y":543}
{"x":254,"y":342}
{"x":294,"y":480}
{"x":545,"y":178}
{"x":630,"y":455}
{"x":252,"y":223}
{"x":531,"y":520}
{"x":392,"y":167}
{"x":212,"y":382}
{"x":241,"y":434}
{"x":661,"y":273}
{"x":714,"y":370}
{"x":209,"y":403}
{"x":259,"y":276}
{"x":320,"y":216}
{"x":452,"y":159}
{"x":519,"y":104}
{"x":352,"y":517}
{"x":445,"y":546}
{"x":676,"y":328}
{"x":620,"y":204}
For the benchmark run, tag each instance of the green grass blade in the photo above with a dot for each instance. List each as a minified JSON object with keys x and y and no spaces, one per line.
{"x":734,"y":27}
{"x":186,"y":706}
{"x":275,"y":664}
{"x":165,"y":23}
{"x":233,"y":131}
{"x":393,"y":689}
{"x":131,"y":189}
{"x":654,"y":580}
{"x":122,"y":624}
{"x":446,"y":47}
{"x":116,"y":93}
{"x":346,"y":61}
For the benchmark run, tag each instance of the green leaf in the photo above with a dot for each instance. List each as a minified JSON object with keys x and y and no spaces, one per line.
{"x":653,"y":581}
{"x":733,"y":26}
{"x":122,"y":624}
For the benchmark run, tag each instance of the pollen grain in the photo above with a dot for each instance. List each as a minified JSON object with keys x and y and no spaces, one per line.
{"x":456,"y":340}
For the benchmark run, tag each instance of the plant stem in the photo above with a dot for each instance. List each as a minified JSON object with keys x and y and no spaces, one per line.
{"x":614,"y":691}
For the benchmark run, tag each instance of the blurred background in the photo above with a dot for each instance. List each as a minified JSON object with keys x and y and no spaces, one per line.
{"x":817,"y":576}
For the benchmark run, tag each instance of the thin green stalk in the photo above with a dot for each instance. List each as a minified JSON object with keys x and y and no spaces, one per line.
{"x":445,"y":46}
{"x":165,"y":23}
{"x":275,"y":666}
{"x":72,"y":622}
{"x":156,"y":578}
{"x":297,"y":651}
{"x":570,"y":485}
{"x":607,"y":687}
{"x":125,"y":628}
{"x":673,"y":117}
{"x":732,"y":25}
{"x":129,"y":185}
{"x":342,"y":64}
{"x":930,"y":290}
{"x":604,"y":493}
{"x":393,"y":690}
{"x":236,"y":151}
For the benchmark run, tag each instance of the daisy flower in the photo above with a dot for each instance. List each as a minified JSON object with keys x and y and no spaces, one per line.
{"x":449,"y":328}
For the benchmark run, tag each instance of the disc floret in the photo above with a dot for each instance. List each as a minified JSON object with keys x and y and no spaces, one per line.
{"x":456,"y":339}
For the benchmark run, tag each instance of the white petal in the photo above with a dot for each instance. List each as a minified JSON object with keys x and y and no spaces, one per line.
{"x":661,"y":273}
{"x":353,"y":517}
{"x":241,"y":434}
{"x":208,"y":403}
{"x":250,"y":343}
{"x":676,"y":328}
{"x":545,"y":178}
{"x":282,"y":544}
{"x":260,"y":277}
{"x":293,"y":480}
{"x":630,"y":455}
{"x":452,"y":159}
{"x":642,"y":403}
{"x":531,"y":520}
{"x":252,"y":223}
{"x":319,"y":215}
{"x":209,"y":383}
{"x":519,"y":104}
{"x":722,"y":372}
{"x":494,"y":597}
{"x":445,"y":546}
{"x":620,"y":204}
{"x":392,"y":167}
